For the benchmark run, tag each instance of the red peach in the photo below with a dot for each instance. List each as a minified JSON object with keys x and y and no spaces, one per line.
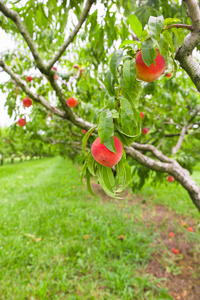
{"x":152,"y":72}
{"x":54,"y":68}
{"x":190,"y":229}
{"x":168,"y":75}
{"x":76,"y":66}
{"x":175,"y":251}
{"x":21,"y":122}
{"x":71,"y":102}
{"x":27,"y":102}
{"x":170,"y":178}
{"x":104,"y":156}
{"x":145,"y":130}
{"x":171,"y":234}
{"x":142,"y":115}
{"x":29,"y":78}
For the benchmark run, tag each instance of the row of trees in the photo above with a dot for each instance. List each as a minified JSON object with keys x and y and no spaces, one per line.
{"x":87,"y":50}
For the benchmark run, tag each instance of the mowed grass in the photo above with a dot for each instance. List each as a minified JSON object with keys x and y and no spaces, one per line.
{"x":56,"y":242}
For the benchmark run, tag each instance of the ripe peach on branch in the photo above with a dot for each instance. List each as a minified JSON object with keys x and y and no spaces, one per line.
{"x":151,"y":73}
{"x":27,"y":102}
{"x":29,"y":78}
{"x":21,"y":122}
{"x":170,"y":178}
{"x":104,"y":156}
{"x":71,"y":102}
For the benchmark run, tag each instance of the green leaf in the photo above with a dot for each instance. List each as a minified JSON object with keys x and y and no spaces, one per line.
{"x":148,"y":52}
{"x":126,"y":177}
{"x":109,"y":83}
{"x":135,"y":24}
{"x":83,"y":170}
{"x":168,"y":39}
{"x":179,"y":35}
{"x":110,"y":144}
{"x":127,"y":115}
{"x":110,"y":103}
{"x":170,"y":21}
{"x":91,"y":165}
{"x":130,"y":119}
{"x":115,"y":114}
{"x":85,"y":139}
{"x":115,"y":61}
{"x":129,"y":73}
{"x":155,"y":25}
{"x":106,"y":126}
{"x":131,"y":92}
{"x":88,"y":183}
{"x":126,"y":42}
{"x":102,"y":176}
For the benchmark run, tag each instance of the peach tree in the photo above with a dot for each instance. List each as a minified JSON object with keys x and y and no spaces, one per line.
{"x":130,"y":70}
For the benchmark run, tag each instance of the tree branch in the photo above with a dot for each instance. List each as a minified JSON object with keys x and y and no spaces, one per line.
{"x":180,"y":140}
{"x":154,"y":150}
{"x":72,"y":35}
{"x":184,"y":53}
{"x":180,"y":174}
{"x":27,"y":90}
{"x":13,"y":15}
{"x":189,"y":27}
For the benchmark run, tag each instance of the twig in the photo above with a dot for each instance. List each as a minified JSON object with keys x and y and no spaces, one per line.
{"x":72,"y":35}
{"x":189,"y":27}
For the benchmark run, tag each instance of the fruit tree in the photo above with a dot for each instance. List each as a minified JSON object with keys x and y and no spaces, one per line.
{"x":122,"y":70}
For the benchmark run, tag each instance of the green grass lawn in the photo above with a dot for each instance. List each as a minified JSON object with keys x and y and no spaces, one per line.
{"x":56,"y":242}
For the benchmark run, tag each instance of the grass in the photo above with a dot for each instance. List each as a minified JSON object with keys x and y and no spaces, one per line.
{"x":56,"y":242}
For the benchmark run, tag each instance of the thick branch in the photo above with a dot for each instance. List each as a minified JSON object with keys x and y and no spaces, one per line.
{"x":72,"y":35}
{"x":184,"y":53}
{"x":154,"y":150}
{"x":13,"y":15}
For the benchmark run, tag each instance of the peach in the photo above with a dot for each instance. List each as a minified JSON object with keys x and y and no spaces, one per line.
{"x":71,"y":102}
{"x":145,"y":130}
{"x":27,"y":102}
{"x":76,"y":66}
{"x":171,"y":234}
{"x":54,"y":68}
{"x":168,"y":75}
{"x":142,"y":115}
{"x":104,"y":156}
{"x":190,"y":229}
{"x":152,"y":72}
{"x":170,"y":178}
{"x":29,"y":78}
{"x":175,"y":251}
{"x":21,"y":122}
